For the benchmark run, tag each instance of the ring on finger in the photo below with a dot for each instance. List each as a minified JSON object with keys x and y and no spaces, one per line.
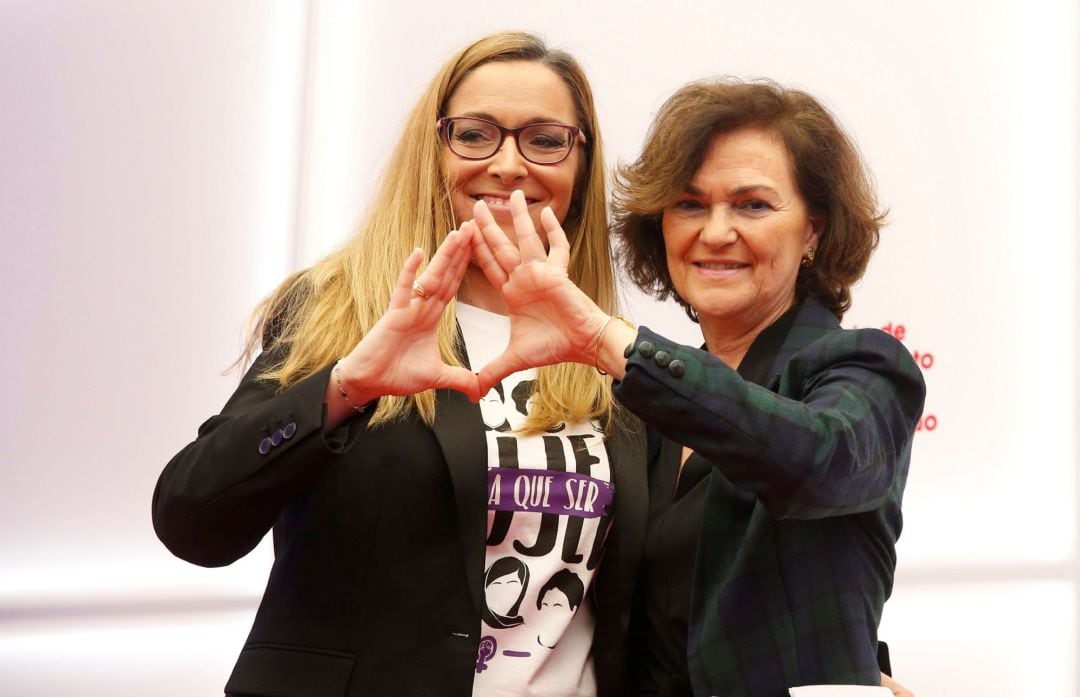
{"x":419,"y":290}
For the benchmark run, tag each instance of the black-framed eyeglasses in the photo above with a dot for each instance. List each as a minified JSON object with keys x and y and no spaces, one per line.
{"x":479,"y":139}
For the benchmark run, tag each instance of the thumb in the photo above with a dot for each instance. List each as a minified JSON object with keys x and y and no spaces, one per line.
{"x":462,"y":380}
{"x":502,"y":365}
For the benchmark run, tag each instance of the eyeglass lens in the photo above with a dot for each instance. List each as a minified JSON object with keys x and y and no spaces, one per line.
{"x":542,"y":143}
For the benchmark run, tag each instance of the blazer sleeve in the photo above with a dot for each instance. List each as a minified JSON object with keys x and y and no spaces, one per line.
{"x":218,"y":497}
{"x":834,"y":437}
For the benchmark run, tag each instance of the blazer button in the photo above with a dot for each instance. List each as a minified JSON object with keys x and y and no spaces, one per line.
{"x":629,"y":350}
{"x":265,"y":446}
{"x":646,"y":349}
{"x":289,"y":431}
{"x":676,"y":368}
{"x":276,"y":437}
{"x":662,"y":358}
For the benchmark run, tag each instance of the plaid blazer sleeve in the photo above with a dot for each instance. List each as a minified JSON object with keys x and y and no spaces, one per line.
{"x":829,"y":436}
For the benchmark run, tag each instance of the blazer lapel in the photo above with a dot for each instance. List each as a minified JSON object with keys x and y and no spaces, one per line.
{"x":460,"y":431}
{"x":812,"y":321}
{"x":627,"y":453}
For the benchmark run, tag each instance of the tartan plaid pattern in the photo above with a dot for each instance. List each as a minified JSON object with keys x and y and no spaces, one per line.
{"x":789,"y":587}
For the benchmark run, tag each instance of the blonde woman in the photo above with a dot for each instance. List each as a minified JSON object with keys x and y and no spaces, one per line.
{"x":355,"y":436}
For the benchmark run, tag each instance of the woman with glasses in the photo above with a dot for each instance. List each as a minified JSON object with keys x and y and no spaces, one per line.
{"x":775,"y":494}
{"x":355,"y":435}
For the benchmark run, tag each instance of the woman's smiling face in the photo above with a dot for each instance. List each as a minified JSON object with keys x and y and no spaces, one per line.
{"x":736,"y":237}
{"x":512,"y":94}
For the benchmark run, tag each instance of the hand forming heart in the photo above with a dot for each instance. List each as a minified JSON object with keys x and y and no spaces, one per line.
{"x":551,"y":319}
{"x":400,"y":354}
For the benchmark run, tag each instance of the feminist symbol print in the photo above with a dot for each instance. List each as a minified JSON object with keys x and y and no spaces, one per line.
{"x":488,"y":646}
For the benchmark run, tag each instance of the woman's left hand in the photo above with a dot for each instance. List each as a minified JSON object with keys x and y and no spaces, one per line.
{"x":551,"y":319}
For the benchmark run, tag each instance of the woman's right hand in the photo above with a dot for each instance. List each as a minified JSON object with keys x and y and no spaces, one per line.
{"x":551,"y":319}
{"x":400,"y":354}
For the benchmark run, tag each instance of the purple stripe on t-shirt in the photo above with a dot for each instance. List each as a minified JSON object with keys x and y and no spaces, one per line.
{"x":545,"y":491}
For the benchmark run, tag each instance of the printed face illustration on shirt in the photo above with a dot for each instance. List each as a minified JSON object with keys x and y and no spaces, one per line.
{"x":556,"y":603}
{"x":503,"y":593}
{"x":554,"y":613}
{"x":493,"y":409}
{"x":505,"y":583}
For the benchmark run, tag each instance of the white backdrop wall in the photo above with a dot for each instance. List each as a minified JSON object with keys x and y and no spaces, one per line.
{"x":162,"y":165}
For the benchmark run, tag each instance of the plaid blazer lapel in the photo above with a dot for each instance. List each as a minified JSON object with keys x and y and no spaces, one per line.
{"x":812,"y":321}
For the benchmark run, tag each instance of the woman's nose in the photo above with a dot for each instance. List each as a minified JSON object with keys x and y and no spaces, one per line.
{"x":507,"y":163}
{"x":719,"y":228}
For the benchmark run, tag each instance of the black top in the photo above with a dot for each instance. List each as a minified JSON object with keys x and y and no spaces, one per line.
{"x":677,"y":503}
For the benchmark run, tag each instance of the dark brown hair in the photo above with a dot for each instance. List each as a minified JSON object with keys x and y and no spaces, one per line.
{"x":826,"y":165}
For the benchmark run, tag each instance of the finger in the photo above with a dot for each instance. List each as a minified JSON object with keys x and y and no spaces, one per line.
{"x":558,"y":245}
{"x":465,"y":230}
{"x":460,"y":379}
{"x":498,"y":368}
{"x":530,"y":244}
{"x":456,"y":270}
{"x":438,"y":275}
{"x":485,"y":383}
{"x":444,"y":254}
{"x":403,"y":291}
{"x":485,"y":259}
{"x":503,"y":250}
{"x":464,"y":253}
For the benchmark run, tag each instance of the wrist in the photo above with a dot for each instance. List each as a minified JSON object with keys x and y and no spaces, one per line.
{"x":611,"y":340}
{"x":350,"y":387}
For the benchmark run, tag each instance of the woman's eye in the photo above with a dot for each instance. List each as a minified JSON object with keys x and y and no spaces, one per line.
{"x":755,"y":206}
{"x":547,"y":142}
{"x":472,"y":136}
{"x":687,"y":205}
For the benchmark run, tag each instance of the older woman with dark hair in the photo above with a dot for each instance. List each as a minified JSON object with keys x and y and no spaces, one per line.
{"x":776,"y":488}
{"x":825,"y":166}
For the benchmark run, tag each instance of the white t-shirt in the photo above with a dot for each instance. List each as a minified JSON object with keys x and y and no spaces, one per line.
{"x":549,"y":502}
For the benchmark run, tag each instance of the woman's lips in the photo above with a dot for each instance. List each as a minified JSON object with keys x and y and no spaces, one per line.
{"x":499,"y":202}
{"x":720,"y":269}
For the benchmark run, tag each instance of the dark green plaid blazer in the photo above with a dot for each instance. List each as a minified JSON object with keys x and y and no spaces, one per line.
{"x":797,"y":548}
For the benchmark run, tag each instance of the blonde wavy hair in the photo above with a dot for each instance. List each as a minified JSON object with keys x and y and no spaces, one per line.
{"x":319,"y":314}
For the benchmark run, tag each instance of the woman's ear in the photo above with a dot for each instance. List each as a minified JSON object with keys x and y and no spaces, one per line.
{"x":815,"y":229}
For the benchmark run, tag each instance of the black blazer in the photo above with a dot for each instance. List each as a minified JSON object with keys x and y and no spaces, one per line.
{"x":379,"y":541}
